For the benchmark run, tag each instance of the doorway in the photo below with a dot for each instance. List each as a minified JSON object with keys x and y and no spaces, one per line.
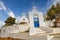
{"x":36,"y":21}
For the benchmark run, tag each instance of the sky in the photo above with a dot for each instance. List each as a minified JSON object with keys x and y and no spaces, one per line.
{"x":15,"y":8}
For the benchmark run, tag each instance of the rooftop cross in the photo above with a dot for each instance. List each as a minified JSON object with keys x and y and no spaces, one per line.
{"x":23,"y":14}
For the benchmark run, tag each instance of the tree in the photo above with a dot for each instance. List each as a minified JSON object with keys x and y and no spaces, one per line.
{"x":58,"y":8}
{"x":50,"y":13}
{"x":10,"y":21}
{"x":53,"y":11}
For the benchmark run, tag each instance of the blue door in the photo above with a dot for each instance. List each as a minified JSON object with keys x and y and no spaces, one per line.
{"x":36,"y":22}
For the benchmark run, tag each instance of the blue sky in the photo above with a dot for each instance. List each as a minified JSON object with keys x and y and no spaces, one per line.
{"x":19,"y":6}
{"x":15,"y":8}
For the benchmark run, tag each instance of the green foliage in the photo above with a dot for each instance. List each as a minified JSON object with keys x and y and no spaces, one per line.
{"x":53,"y":11}
{"x":10,"y":21}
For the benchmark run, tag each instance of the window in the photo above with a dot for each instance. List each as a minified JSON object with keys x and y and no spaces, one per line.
{"x":24,"y":19}
{"x":4,"y":30}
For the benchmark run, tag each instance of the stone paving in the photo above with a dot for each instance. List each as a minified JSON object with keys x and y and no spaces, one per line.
{"x":26,"y":36}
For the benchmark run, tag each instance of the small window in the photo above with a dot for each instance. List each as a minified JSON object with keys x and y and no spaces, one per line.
{"x":23,"y":19}
{"x":4,"y":30}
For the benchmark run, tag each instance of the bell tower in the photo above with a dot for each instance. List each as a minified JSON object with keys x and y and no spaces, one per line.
{"x":36,"y":21}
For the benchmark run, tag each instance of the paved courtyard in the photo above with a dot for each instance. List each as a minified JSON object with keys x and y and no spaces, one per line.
{"x":26,"y":36}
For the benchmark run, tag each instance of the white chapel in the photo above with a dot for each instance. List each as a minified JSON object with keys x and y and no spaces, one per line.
{"x":32,"y":24}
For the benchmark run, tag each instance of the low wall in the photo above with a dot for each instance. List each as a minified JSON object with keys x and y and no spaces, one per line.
{"x":56,"y":30}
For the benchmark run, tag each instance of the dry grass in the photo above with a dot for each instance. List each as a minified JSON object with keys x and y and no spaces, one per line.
{"x":10,"y":39}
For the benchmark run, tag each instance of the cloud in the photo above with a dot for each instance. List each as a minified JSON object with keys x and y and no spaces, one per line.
{"x":1,"y":23}
{"x":47,"y":6}
{"x":50,"y":3}
{"x":8,"y":12}
{"x":55,"y":2}
{"x":11,"y":13}
{"x":2,"y":6}
{"x":18,"y":19}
